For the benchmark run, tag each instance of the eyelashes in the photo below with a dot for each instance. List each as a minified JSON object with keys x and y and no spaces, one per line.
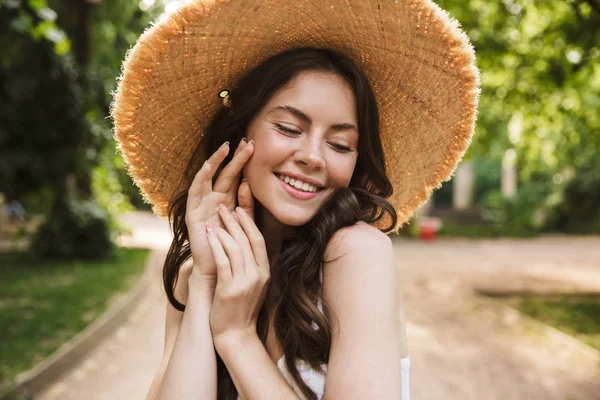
{"x":288,"y":130}
{"x":340,"y":148}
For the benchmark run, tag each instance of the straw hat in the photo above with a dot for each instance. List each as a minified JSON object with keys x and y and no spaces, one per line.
{"x":418,"y":61}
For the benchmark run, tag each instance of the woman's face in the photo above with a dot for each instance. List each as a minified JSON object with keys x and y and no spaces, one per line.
{"x":307,"y":130}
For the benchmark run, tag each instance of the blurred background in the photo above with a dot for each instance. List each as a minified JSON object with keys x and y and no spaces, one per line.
{"x":500,"y":269}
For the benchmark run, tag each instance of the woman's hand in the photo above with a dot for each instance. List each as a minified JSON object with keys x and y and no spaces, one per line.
{"x":243,"y":275}
{"x":203,"y":199}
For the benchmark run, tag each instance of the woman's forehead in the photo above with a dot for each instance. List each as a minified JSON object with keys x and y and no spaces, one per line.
{"x":318,"y":96}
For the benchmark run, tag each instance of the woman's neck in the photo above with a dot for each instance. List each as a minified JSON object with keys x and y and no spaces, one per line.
{"x":273,"y":231}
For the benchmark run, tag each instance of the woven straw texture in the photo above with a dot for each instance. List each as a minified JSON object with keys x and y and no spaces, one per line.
{"x":420,"y":64}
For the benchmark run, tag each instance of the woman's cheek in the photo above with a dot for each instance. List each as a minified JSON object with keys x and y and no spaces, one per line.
{"x":341,"y":171}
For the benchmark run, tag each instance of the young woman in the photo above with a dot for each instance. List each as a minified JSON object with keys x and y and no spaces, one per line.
{"x":291,"y":289}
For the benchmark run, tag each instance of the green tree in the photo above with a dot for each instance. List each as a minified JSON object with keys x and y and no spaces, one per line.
{"x":540,"y":64}
{"x":55,"y":139}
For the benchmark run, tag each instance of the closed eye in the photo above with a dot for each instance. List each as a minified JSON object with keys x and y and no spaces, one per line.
{"x":288,"y":130}
{"x":338,"y":147}
{"x":341,"y":148}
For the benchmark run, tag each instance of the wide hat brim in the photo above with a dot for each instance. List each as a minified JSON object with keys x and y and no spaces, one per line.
{"x":420,"y":64}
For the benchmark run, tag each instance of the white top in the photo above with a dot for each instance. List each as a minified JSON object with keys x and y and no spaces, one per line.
{"x":316,"y":380}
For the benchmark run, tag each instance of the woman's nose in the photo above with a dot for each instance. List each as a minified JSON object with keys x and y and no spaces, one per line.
{"x":310,"y":153}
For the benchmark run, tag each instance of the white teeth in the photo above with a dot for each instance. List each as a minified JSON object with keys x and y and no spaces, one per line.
{"x":306,"y":187}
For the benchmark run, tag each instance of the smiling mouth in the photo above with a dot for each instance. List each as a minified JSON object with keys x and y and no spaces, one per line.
{"x":299,"y":185}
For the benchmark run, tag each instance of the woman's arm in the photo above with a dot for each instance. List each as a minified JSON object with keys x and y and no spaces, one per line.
{"x":253,"y":372}
{"x":243,"y":275}
{"x":188,"y":369}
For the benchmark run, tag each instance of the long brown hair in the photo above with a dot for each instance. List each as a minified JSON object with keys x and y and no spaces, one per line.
{"x":301,"y":257}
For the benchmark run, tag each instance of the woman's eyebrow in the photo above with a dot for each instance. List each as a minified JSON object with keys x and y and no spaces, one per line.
{"x":304,"y":117}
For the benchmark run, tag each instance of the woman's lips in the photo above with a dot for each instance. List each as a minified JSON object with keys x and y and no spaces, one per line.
{"x":297,"y":193}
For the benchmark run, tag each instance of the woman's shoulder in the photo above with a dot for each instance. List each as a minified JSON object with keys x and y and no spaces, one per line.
{"x":360,"y":237}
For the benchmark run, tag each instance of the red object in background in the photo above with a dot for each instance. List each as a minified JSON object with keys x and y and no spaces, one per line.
{"x":428,"y":227}
{"x":427,"y":232}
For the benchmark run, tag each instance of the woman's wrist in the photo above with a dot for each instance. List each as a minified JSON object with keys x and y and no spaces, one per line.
{"x":234,"y":340}
{"x":201,"y":286}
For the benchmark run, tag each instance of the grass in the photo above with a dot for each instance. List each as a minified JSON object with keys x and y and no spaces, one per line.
{"x":43,"y":304}
{"x":576,"y":316}
{"x":453,"y":229}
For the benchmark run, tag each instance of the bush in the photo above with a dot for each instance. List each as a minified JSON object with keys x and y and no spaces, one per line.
{"x":580,"y":211}
{"x":75,"y":229}
{"x":522,"y":215}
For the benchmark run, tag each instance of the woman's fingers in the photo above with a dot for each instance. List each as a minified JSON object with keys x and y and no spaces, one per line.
{"x":232,"y":249}
{"x":202,"y":182}
{"x":236,"y":231}
{"x":229,"y":176}
{"x":234,"y":184}
{"x":224,"y":273}
{"x":257,"y":241}
{"x":201,"y":177}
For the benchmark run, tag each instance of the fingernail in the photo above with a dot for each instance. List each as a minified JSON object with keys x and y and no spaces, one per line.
{"x":210,"y":231}
{"x":244,"y":140}
{"x":251,"y":142}
{"x":244,"y":179}
{"x":240,"y":211}
{"x":223,"y":208}
{"x":225,"y":144}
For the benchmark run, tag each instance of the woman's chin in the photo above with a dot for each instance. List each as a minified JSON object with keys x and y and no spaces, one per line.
{"x":292,"y":217}
{"x":293,"y":221}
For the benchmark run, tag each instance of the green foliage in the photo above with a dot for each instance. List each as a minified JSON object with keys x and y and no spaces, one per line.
{"x":108,"y":189}
{"x":75,"y":229}
{"x":580,"y":210}
{"x":540,"y":65}
{"x":47,"y":138}
{"x":488,"y":171}
{"x":487,"y":177}
{"x":567,"y":206}
{"x":453,"y":229}
{"x":116,"y":27}
{"x":39,"y":139}
{"x":521,"y":215}
{"x":45,"y":141}
{"x":36,"y":19}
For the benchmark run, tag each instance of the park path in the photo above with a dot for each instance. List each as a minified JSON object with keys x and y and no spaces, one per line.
{"x":462,"y":345}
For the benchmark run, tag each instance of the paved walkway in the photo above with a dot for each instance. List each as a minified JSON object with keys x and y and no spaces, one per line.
{"x":462,"y":345}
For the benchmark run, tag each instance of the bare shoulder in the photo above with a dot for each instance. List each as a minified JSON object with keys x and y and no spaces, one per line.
{"x":358,"y":238}
{"x":362,"y":292}
{"x":359,"y":266}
